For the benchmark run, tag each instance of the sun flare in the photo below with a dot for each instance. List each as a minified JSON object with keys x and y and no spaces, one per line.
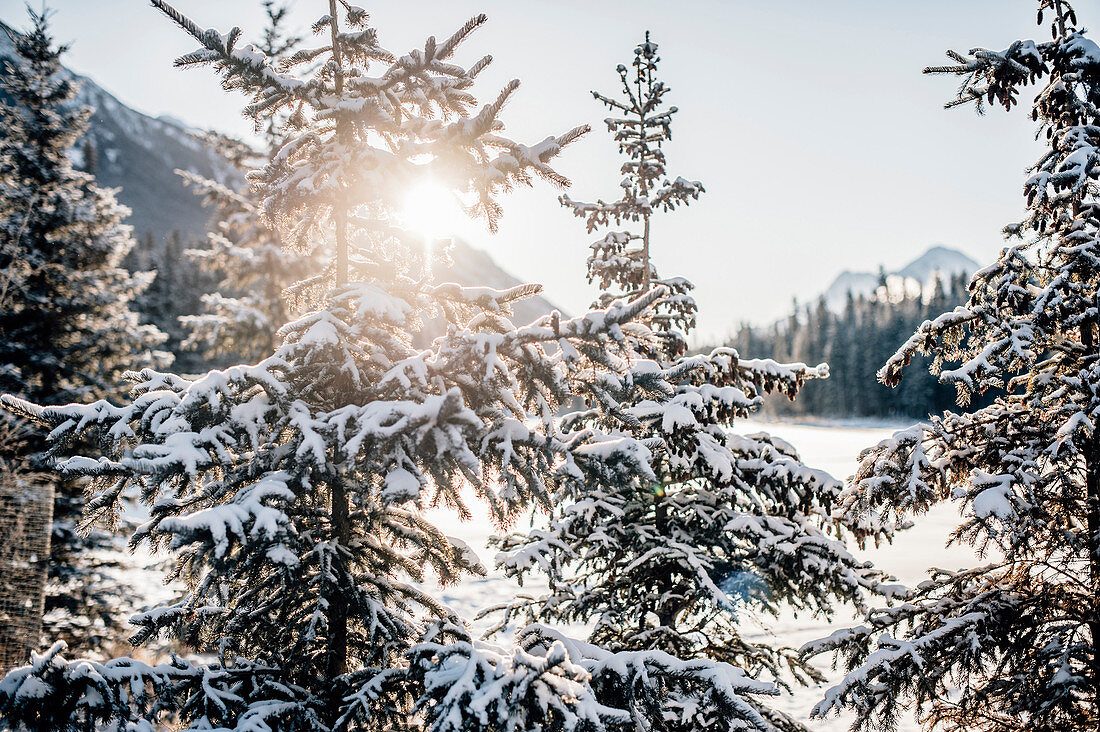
{"x":433,"y":211}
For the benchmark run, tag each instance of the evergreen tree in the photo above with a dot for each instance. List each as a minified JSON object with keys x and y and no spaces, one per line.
{"x":90,"y":157}
{"x":719,"y":527}
{"x":68,"y":329}
{"x":254,"y":269}
{"x":1013,"y":644}
{"x":620,"y":261}
{"x":291,"y":490}
{"x":180,"y":288}
{"x":842,"y":366}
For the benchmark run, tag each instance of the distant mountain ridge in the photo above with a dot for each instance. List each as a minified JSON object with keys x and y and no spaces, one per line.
{"x":938,"y":260}
{"x":138,"y":154}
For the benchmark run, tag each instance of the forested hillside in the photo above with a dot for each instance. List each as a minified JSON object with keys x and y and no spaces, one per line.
{"x":856,"y":342}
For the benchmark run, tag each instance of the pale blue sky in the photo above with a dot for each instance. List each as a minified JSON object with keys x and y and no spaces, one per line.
{"x":821,"y":145}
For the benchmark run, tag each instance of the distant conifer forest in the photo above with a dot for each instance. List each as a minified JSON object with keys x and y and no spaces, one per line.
{"x":855,"y":342}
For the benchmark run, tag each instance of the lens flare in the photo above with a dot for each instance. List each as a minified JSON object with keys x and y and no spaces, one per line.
{"x":433,"y":211}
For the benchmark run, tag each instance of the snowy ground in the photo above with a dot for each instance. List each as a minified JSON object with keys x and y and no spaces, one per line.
{"x":835,"y":449}
{"x":831,"y":446}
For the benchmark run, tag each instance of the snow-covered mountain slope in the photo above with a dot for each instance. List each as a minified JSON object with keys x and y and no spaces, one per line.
{"x":937,"y":260}
{"x":857,"y":283}
{"x":473,"y":266}
{"x":923,"y":270}
{"x":138,"y":154}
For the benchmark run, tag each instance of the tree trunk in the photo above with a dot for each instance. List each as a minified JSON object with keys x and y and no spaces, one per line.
{"x":337,"y":602}
{"x":660,"y":510}
{"x":341,"y":526}
{"x":666,"y":616}
{"x":1092,"y":526}
{"x":1092,"y":522}
{"x":338,"y":510}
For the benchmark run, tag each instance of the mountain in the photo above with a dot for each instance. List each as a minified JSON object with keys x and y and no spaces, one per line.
{"x":938,"y":260}
{"x":473,"y":266}
{"x":857,"y":283}
{"x":138,"y":154}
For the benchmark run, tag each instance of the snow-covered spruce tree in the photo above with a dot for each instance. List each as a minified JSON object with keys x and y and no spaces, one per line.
{"x":242,"y":317}
{"x":291,"y":490}
{"x":1013,"y":644}
{"x":720,"y":528}
{"x":620,"y":262}
{"x":67,"y":330}
{"x":254,"y":270}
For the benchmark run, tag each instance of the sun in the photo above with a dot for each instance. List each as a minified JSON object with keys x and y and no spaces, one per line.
{"x":433,"y":211}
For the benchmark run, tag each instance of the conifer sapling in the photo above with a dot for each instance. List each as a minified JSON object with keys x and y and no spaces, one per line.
{"x":670,"y":562}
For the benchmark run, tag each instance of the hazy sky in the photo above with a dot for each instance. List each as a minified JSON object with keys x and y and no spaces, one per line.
{"x":821,"y":145}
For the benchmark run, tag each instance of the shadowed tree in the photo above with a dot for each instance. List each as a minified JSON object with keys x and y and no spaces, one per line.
{"x":68,"y":328}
